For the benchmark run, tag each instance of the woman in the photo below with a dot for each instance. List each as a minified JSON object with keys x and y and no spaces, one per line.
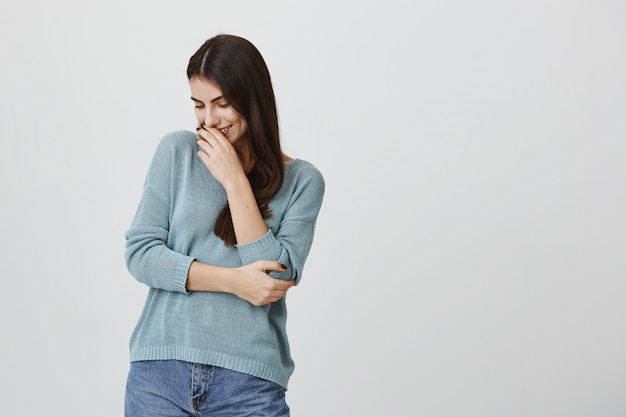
{"x":223,"y":229}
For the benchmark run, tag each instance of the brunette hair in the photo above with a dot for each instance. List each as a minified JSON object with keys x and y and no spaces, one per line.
{"x":236,"y":66}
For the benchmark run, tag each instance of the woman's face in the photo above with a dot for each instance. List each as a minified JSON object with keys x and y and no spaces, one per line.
{"x":212,"y":110}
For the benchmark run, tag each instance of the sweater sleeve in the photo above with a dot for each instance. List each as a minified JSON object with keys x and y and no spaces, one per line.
{"x":291,"y":242}
{"x":148,"y":257}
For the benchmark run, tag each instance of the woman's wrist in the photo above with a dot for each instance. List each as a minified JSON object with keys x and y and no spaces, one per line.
{"x":204,"y":277}
{"x":239,"y":183}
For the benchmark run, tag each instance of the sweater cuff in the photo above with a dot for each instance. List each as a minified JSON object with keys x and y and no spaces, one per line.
{"x":181,"y":274}
{"x":264,"y":248}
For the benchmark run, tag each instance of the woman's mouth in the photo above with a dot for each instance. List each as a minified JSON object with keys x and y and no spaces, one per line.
{"x":225,"y":129}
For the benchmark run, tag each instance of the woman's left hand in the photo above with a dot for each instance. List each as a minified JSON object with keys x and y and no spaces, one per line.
{"x":219,"y":156}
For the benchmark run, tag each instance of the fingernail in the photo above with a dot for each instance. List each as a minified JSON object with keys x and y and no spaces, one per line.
{"x":283,"y":266}
{"x":197,"y":129}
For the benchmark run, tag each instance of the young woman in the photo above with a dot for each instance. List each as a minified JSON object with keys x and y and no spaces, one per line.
{"x":222,"y":231}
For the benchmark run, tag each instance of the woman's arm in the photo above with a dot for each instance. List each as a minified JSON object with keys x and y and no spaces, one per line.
{"x":222,"y":160}
{"x":249,"y":282}
{"x":291,"y":243}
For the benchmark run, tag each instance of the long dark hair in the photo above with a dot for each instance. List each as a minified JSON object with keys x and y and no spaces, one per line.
{"x":238,"y":69}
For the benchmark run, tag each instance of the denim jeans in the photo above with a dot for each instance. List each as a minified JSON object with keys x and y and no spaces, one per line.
{"x":175,"y":388}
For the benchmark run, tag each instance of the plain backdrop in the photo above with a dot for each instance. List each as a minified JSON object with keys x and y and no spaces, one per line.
{"x":469,"y":257}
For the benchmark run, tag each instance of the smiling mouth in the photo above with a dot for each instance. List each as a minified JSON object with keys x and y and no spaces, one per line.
{"x":225,"y":129}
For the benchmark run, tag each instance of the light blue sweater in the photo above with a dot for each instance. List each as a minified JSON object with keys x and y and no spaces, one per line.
{"x":174,"y":225}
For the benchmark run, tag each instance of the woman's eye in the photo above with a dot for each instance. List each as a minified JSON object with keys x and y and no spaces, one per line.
{"x":198,"y":106}
{"x":223,"y":106}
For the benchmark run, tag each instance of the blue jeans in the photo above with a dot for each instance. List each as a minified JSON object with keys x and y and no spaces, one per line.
{"x":176,"y":388}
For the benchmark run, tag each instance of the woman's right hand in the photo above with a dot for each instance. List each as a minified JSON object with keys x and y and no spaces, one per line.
{"x":253,"y":284}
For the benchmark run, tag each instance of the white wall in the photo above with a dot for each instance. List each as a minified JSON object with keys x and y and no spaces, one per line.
{"x":469,"y":259}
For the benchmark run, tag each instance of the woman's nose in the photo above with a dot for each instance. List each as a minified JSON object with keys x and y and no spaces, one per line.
{"x":210,"y":118}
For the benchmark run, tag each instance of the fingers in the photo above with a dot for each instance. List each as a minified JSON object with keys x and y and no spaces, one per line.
{"x":282,"y":285}
{"x":258,"y":287}
{"x":204,"y":139}
{"x":213,"y":143}
{"x":272,"y":291}
{"x":208,"y":143}
{"x":205,"y":147}
{"x":204,"y":157}
{"x":211,"y":135}
{"x":216,"y":134}
{"x":276,"y":284}
{"x":280,"y":289}
{"x":276,"y":288}
{"x":272,"y":266}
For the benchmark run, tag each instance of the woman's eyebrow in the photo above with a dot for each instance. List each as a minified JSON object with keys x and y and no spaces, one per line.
{"x":212,"y":101}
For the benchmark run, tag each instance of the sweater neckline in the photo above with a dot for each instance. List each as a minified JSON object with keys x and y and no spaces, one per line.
{"x":290,"y":163}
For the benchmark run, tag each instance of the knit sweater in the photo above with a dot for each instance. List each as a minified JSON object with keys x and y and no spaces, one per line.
{"x":173,"y":226}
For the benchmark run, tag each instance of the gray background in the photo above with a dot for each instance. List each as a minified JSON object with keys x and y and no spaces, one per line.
{"x":469,"y":256}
